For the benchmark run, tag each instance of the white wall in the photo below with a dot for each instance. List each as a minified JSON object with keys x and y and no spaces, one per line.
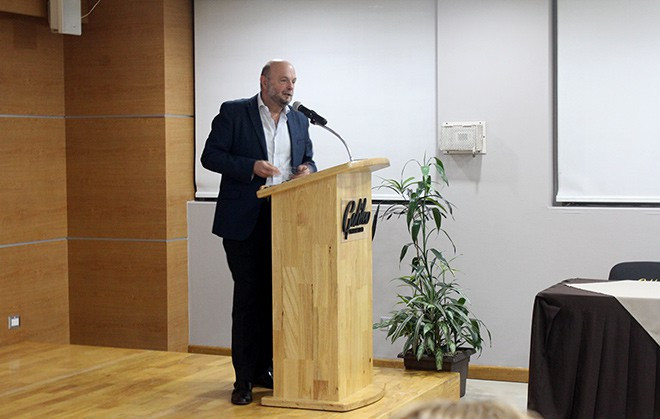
{"x":494,"y":64}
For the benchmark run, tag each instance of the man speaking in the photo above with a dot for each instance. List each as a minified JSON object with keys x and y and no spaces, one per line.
{"x":254,"y":142}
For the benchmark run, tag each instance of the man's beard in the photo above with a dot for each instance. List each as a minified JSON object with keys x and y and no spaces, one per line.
{"x":280,"y":98}
{"x":284,"y":100}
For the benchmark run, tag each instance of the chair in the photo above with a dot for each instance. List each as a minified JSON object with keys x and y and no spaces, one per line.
{"x":635,"y":270}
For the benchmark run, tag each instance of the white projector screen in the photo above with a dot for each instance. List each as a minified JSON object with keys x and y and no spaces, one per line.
{"x":369,"y":67}
{"x":608,"y":100}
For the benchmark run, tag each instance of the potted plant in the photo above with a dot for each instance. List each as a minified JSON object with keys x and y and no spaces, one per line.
{"x":433,"y":316}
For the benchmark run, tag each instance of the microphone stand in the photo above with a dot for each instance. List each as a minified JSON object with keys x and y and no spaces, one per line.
{"x":350,"y":157}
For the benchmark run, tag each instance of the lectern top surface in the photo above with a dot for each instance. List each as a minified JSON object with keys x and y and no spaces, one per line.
{"x":372,"y":164}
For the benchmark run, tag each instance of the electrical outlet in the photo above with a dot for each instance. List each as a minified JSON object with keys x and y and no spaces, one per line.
{"x":14,"y":321}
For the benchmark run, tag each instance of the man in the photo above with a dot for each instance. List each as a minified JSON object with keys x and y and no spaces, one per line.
{"x":254,"y":142}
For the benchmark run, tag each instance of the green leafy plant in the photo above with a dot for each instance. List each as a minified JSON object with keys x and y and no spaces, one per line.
{"x":433,"y":314}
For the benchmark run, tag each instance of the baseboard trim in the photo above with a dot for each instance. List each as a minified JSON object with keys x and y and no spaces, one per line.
{"x":496,"y":373}
{"x":209,"y":350}
{"x":388,"y":363}
{"x":477,"y":372}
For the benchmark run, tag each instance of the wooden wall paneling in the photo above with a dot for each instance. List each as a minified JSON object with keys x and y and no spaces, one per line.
{"x":32,"y":67}
{"x":118,"y":293}
{"x":179,"y":173}
{"x":33,"y":280}
{"x":179,"y":68}
{"x":130,"y":172}
{"x":33,"y":181}
{"x":25,"y":7}
{"x":116,"y":177}
{"x":116,"y":66}
{"x":125,"y":178}
{"x":177,"y":295}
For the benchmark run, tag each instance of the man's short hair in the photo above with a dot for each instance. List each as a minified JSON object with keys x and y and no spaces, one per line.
{"x":266,"y":70}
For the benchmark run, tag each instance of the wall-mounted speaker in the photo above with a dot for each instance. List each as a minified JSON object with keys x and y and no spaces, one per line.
{"x":64,"y":17}
{"x":463,"y":138}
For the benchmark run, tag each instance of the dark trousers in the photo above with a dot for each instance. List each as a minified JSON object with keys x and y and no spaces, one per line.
{"x":251,"y":333}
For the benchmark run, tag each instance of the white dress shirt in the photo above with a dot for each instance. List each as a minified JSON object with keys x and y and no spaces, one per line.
{"x":278,"y":142}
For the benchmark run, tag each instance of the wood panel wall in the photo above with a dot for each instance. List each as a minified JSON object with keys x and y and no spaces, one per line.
{"x":96,"y":153}
{"x":129,"y":106}
{"x":33,"y":220}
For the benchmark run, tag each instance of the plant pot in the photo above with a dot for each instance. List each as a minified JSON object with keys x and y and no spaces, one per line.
{"x":453,"y":363}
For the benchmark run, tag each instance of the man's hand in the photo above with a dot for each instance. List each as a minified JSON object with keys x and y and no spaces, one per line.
{"x":264,"y":169}
{"x":302,"y":170}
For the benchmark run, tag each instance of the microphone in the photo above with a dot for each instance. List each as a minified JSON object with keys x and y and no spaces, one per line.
{"x":317,"y":119}
{"x":314,"y":118}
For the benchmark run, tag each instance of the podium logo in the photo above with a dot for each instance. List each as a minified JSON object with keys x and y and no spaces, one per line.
{"x":355,"y":217}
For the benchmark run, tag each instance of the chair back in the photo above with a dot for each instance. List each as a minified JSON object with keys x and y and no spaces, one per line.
{"x":649,"y":271}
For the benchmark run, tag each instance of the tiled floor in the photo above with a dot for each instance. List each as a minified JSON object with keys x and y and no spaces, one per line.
{"x":514,"y":393}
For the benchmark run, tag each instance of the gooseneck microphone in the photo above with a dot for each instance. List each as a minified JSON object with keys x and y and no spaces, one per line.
{"x":317,"y":119}
{"x":314,"y":118}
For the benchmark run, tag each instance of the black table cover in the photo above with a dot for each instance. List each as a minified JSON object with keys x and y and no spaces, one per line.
{"x":589,"y":358}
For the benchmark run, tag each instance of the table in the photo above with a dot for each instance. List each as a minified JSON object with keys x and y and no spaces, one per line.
{"x":589,"y":358}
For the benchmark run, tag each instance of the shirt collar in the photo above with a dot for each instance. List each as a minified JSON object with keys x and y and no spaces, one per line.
{"x":262,"y":105}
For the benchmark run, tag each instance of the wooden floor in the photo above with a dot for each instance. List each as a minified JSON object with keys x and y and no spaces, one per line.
{"x":47,"y":380}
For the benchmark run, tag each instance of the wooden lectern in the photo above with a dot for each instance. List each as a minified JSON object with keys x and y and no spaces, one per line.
{"x":322,"y":292}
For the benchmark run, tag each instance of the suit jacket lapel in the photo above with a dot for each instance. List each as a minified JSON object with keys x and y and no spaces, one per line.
{"x":293,"y":125}
{"x":253,"y":111}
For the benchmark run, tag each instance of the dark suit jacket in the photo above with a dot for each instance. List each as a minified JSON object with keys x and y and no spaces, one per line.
{"x":236,"y":141}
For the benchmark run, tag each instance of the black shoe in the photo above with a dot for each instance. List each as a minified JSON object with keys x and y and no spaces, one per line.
{"x":242,"y":393}
{"x":265,"y":380}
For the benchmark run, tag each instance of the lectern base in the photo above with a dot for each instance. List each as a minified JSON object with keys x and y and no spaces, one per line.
{"x":368,"y":395}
